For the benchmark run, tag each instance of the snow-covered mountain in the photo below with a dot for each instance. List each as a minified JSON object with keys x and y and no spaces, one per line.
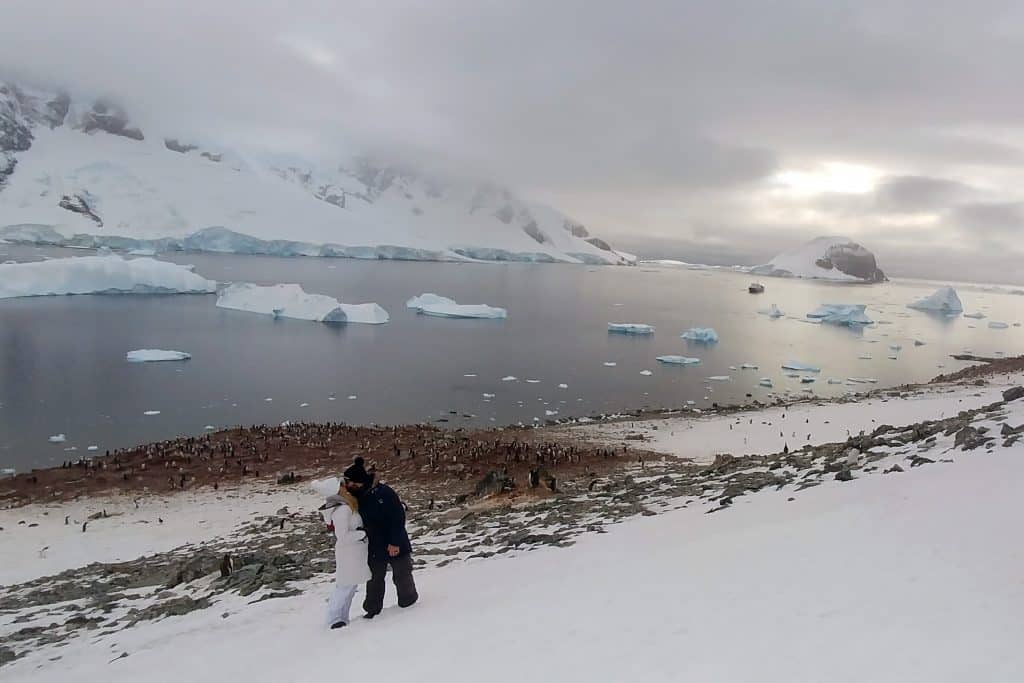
{"x":825,"y":258}
{"x":82,"y":173}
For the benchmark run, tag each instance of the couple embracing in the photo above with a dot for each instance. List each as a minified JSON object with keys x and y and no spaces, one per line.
{"x":368,"y":521}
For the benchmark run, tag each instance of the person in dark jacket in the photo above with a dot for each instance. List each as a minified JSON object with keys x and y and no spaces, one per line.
{"x":384,"y":521}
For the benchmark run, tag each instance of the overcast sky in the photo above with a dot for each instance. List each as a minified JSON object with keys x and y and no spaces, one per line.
{"x":715,"y":130}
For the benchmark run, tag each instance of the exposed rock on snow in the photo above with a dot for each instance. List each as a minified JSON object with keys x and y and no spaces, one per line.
{"x":99,"y":275}
{"x":291,"y":301}
{"x":443,"y":307}
{"x":155,"y":356}
{"x":841,"y":314}
{"x":630,"y":328}
{"x":79,"y":168}
{"x":825,"y":258}
{"x":703,"y":335}
{"x":943,"y":300}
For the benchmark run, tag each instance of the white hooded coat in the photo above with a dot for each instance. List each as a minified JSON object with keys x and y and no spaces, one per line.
{"x":350,"y":544}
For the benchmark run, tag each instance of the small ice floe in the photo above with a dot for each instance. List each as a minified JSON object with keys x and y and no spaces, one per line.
{"x":732,"y":367}
{"x":849,"y":315}
{"x":470,"y":374}
{"x":808,"y":380}
{"x":719,"y":378}
{"x":610,"y":364}
{"x":303,"y":405}
{"x":701,"y":335}
{"x":691,"y":403}
{"x":748,"y":366}
{"x":8,"y":472}
{"x":943,"y":300}
{"x":772,"y":311}
{"x":352,"y":397}
{"x":268,"y":399}
{"x":92,"y":448}
{"x":209,"y":428}
{"x":646,"y":373}
{"x":894,"y":356}
{"x":765,"y":382}
{"x":976,"y":316}
{"x":799,"y":367}
{"x":677,"y":360}
{"x":151,"y":412}
{"x":509,"y":378}
{"x":443,"y":307}
{"x":155,"y":356}
{"x":58,"y":438}
{"x":533,"y":381}
{"x":488,"y":395}
{"x":563,"y":386}
{"x":834,"y":380}
{"x":793,"y":375}
{"x":862,"y":380}
{"x":549,"y":413}
{"x":895,"y":347}
{"x":997,"y":325}
{"x":918,"y":342}
{"x":864,"y":356}
{"x":630,"y":328}
{"x":332,"y":398}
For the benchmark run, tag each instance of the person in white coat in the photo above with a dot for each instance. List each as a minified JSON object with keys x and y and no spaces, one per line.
{"x":341,"y":513}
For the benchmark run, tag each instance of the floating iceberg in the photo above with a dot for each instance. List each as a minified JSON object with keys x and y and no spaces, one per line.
{"x":976,"y":316}
{"x":443,"y":307}
{"x":772,"y":311}
{"x":57,"y":438}
{"x":610,"y":364}
{"x":646,"y":373}
{"x":748,"y":366}
{"x":99,"y":275}
{"x":155,"y":355}
{"x":799,"y":367}
{"x":841,"y":314}
{"x":719,"y":378}
{"x":943,"y":300}
{"x":765,"y":382}
{"x":630,"y":328}
{"x":704,"y":335}
{"x":291,"y":301}
{"x":996,"y":325}
{"x":678,"y":360}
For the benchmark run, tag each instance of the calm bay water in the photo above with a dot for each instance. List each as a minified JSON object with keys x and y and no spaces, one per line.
{"x":63,"y":368}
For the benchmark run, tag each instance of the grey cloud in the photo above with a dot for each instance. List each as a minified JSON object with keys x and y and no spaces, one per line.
{"x":919,"y":193}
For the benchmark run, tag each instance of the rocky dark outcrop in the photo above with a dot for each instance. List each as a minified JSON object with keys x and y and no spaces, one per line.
{"x":175,"y":146}
{"x":599,"y":243}
{"x":852,"y":259}
{"x":105,"y":116}
{"x":576,"y":229}
{"x":535,"y":232}
{"x":505,"y":214}
{"x":1013,"y":393}
{"x":77,"y":204}
{"x":212,"y":157}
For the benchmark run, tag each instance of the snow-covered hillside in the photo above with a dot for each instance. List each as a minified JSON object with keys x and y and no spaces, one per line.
{"x":81,"y":173}
{"x":825,"y":258}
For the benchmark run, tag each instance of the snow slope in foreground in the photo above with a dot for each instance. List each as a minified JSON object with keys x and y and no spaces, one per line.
{"x":99,"y":275}
{"x":291,"y":301}
{"x":902,"y":577}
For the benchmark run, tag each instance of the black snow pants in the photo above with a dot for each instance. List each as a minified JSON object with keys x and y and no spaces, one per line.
{"x":401,"y":574}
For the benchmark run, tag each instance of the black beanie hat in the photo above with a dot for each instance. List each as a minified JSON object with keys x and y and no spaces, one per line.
{"x":356,"y":473}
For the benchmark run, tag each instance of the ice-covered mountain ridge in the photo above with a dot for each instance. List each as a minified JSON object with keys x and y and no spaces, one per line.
{"x":83,"y":173}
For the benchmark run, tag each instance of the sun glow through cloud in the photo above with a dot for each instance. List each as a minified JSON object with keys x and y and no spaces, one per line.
{"x":828,"y":177}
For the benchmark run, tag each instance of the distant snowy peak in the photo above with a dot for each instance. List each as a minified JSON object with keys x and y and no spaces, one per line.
{"x":826,"y":258}
{"x":83,"y":173}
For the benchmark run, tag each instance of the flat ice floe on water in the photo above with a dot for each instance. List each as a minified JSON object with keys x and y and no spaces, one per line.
{"x":943,"y":300}
{"x":799,"y":367}
{"x":443,"y":307}
{"x":997,"y":325}
{"x":703,"y":335}
{"x":630,"y":328}
{"x":677,"y":360}
{"x":841,"y":314}
{"x":291,"y":301}
{"x":155,"y":356}
{"x":99,"y":275}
